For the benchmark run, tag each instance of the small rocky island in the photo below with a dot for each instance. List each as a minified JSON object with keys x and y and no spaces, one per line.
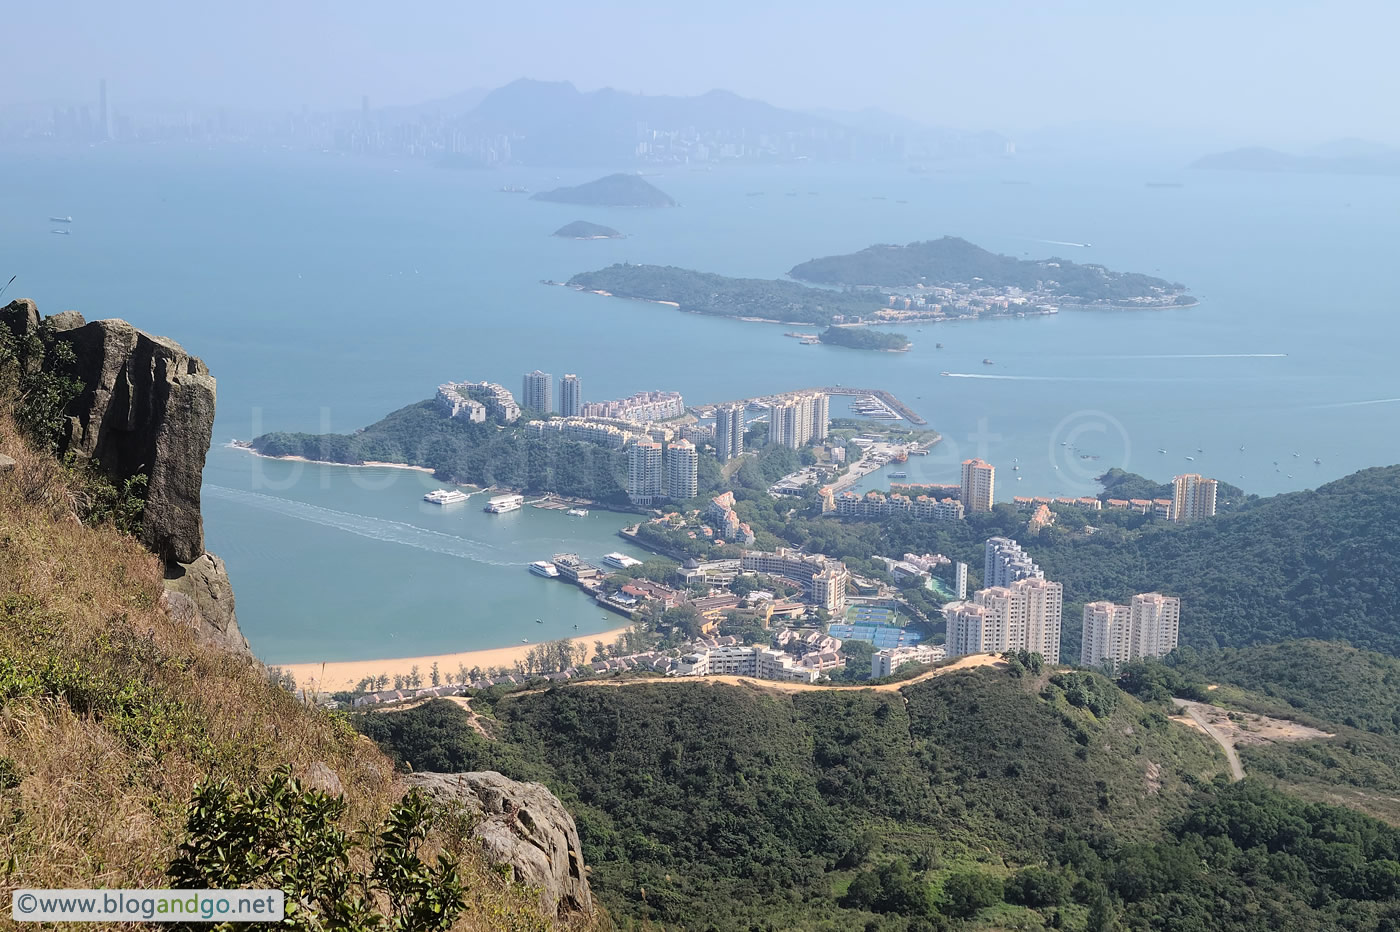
{"x":582,"y":229}
{"x":620,"y":190}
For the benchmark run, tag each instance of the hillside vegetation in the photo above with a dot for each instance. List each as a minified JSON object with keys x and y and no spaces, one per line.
{"x":480,"y":454}
{"x":714,"y":806}
{"x":112,"y":719}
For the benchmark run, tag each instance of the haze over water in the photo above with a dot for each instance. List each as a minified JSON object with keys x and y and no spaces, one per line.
{"x":326,"y":292}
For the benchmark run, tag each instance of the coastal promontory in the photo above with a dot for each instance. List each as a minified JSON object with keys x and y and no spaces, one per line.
{"x":953,"y":263}
{"x":582,"y":229}
{"x":620,"y":190}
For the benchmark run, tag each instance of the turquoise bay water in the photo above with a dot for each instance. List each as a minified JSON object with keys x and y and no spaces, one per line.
{"x":325,"y":292}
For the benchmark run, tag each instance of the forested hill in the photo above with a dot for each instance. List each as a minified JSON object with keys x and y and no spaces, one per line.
{"x":1315,"y":564}
{"x":952,"y":260}
{"x":995,"y":798}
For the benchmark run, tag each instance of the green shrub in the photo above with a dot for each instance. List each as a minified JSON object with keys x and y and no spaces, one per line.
{"x":279,"y":835}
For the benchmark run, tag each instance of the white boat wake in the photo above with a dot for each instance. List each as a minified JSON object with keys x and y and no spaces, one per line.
{"x":1198,"y":356}
{"x":1358,"y":404}
{"x":381,"y":529}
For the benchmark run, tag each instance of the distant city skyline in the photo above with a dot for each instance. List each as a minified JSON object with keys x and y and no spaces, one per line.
{"x":1273,"y":74}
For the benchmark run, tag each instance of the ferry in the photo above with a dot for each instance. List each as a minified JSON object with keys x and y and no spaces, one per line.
{"x":544,"y":568}
{"x":988,"y":362}
{"x":61,"y":232}
{"x":504,"y":503}
{"x":514,"y":189}
{"x":60,"y":220}
{"x":899,"y":475}
{"x":620,"y":560}
{"x":577,"y":512}
{"x":445,"y":497}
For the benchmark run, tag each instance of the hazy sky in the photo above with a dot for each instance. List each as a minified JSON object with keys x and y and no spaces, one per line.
{"x":1272,"y":70}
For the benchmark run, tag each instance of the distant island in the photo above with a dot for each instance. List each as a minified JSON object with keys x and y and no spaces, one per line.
{"x":707,"y":293}
{"x":582,"y":229}
{"x":865,"y":338}
{"x":954,"y":269}
{"x":951,"y":280}
{"x":1354,"y":160}
{"x":620,"y":190}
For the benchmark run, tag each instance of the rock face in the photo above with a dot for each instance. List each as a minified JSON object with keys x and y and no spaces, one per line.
{"x":147,"y":407}
{"x":200,"y":594}
{"x":523,"y":825}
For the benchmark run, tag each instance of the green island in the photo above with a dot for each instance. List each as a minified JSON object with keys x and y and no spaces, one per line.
{"x":950,"y":262}
{"x":938,"y":280}
{"x":865,"y":338}
{"x":619,"y":190}
{"x":582,"y":229}
{"x":708,"y":293}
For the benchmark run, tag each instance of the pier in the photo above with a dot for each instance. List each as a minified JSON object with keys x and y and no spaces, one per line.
{"x":899,"y":407}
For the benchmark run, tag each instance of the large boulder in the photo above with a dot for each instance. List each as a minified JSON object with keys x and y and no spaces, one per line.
{"x":522,"y":825}
{"x":20,"y":316}
{"x":200,"y":594}
{"x":147,"y":406}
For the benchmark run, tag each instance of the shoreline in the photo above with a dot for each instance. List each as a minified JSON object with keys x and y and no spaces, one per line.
{"x":343,"y":675}
{"x":365,"y":465}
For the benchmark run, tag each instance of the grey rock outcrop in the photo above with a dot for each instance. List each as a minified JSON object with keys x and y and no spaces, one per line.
{"x":66,"y":320}
{"x":147,"y":406}
{"x":7,"y":463}
{"x":21,"y":316}
{"x":525,"y":826}
{"x":199,"y":593}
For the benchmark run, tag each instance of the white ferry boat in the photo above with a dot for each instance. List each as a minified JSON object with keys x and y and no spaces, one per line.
{"x":445,"y":496}
{"x":503,"y":503}
{"x":577,"y":512}
{"x":620,"y":560}
{"x":544,"y":568}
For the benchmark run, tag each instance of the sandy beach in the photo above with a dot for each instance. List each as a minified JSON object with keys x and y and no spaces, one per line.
{"x":301,"y":459}
{"x":346,"y":674}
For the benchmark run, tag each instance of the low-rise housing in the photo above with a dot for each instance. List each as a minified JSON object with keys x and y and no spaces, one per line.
{"x":643,"y":406}
{"x":885,"y":662}
{"x":878,"y":504}
{"x":759,"y":662}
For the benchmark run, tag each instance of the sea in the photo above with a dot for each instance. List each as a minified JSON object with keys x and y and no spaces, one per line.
{"x":325,"y":291}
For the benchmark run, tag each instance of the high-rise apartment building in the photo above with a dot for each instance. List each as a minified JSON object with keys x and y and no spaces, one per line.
{"x":729,"y":431}
{"x":1026,"y":615}
{"x":682,"y":471}
{"x":1005,"y":562}
{"x":1193,"y":498}
{"x":645,"y":476}
{"x":537,"y":392}
{"x":797,"y":420}
{"x":1147,"y":627}
{"x":960,"y":579}
{"x":978,"y":485}
{"x":570,"y":396}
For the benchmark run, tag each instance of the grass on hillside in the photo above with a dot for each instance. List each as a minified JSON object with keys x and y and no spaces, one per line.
{"x":111,"y":713}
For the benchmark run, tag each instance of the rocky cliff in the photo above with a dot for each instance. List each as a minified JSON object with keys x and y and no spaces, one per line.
{"x":522,"y":825}
{"x":146,"y":407}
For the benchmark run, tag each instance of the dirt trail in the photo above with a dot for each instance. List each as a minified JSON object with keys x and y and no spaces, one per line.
{"x":965,"y":663}
{"x":462,"y":701}
{"x":1236,"y":768}
{"x":1235,"y":729}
